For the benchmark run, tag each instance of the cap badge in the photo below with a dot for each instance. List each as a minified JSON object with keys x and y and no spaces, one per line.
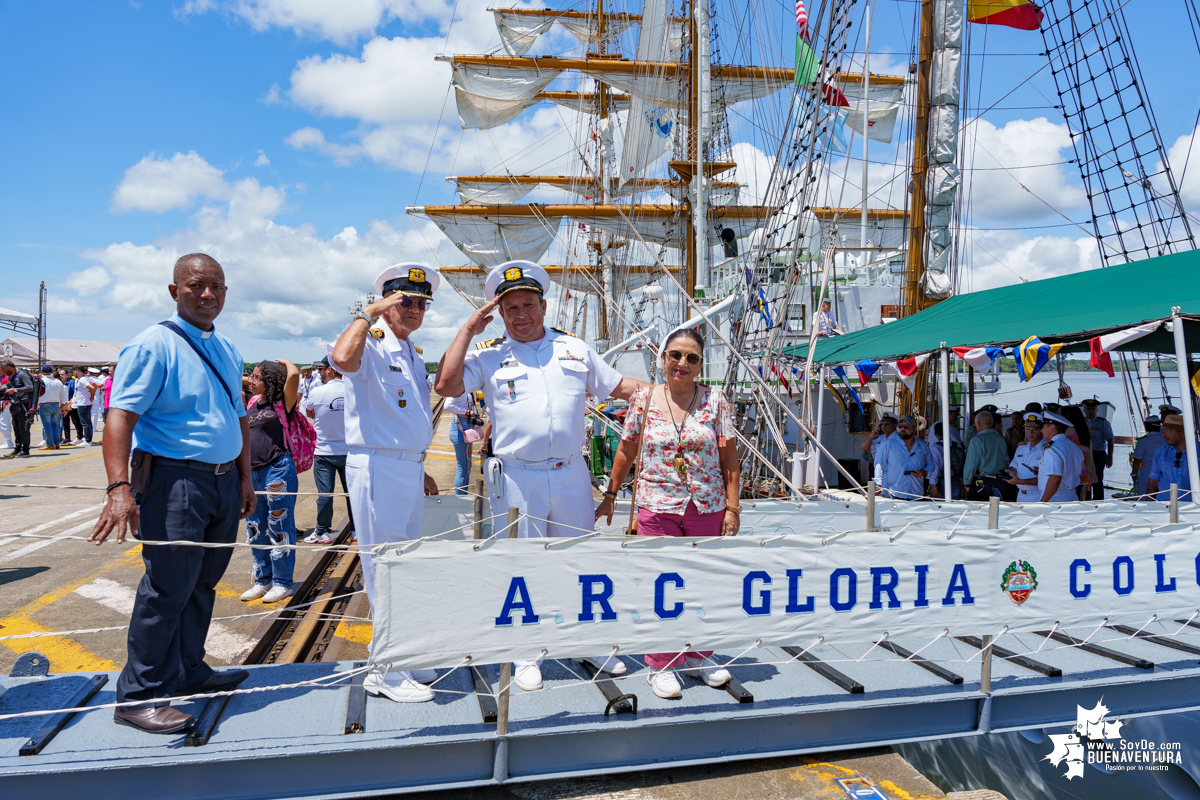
{"x":416,"y":275}
{"x":513,"y":274}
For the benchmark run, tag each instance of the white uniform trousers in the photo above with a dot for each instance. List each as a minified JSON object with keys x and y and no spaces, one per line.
{"x":97,"y":409}
{"x":562,"y":496}
{"x":387,"y":496}
{"x":6,"y":427}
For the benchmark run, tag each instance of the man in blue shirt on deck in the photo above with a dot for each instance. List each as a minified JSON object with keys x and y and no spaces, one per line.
{"x":902,"y":463}
{"x":1170,"y":462}
{"x":176,"y":403}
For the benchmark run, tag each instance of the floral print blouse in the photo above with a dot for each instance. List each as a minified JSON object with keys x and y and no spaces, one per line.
{"x":660,"y":488}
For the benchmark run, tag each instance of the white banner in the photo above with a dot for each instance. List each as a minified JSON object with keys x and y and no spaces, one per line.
{"x":442,"y":601}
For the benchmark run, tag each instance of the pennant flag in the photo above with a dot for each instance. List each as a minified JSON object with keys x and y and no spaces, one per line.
{"x":980,"y":358}
{"x":1033,"y":354}
{"x":907,"y":367}
{"x":783,"y":380}
{"x":1111,"y":341}
{"x":1100,"y":359}
{"x":1196,"y":383}
{"x":806,"y":59}
{"x":866,"y":371}
{"x":763,"y":308}
{"x":841,"y":373}
{"x":1020,"y":14}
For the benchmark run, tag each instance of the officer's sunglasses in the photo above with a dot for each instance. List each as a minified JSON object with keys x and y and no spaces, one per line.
{"x":678,"y":355}
{"x":408,"y":302}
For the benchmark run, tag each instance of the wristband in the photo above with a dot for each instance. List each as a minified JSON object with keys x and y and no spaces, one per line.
{"x":735,"y":509}
{"x":363,"y":315}
{"x":613,"y":495}
{"x":114,"y":485}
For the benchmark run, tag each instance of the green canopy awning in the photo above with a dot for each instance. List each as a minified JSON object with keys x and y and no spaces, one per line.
{"x":1066,"y":309}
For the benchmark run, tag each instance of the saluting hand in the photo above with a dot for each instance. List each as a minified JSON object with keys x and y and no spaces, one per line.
{"x":477,"y":323}
{"x":377,"y":309}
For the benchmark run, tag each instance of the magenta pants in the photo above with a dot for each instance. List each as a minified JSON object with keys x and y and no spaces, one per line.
{"x":690,"y":523}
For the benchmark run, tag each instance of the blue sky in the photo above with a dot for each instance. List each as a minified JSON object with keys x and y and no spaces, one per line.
{"x":265,"y":130}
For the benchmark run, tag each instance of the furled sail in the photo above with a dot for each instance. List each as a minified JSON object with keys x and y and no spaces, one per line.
{"x":520,"y":28}
{"x":649,"y":129}
{"x":943,"y":177}
{"x":491,"y":240}
{"x":491,"y":96}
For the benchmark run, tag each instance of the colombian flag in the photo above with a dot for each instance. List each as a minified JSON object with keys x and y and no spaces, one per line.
{"x":1033,"y":354}
{"x":1020,"y":14}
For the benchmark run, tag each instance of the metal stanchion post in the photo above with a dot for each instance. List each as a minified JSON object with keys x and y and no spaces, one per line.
{"x":500,"y":765}
{"x":1174,"y":503}
{"x":985,"y":676}
{"x":478,"y":529}
{"x":870,"y":505}
{"x":993,"y":513}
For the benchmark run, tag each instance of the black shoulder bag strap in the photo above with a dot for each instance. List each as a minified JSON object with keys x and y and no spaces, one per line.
{"x":172,"y":326}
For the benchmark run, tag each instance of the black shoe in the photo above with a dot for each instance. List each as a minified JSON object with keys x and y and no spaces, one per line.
{"x":217,"y":682}
{"x":154,"y":719}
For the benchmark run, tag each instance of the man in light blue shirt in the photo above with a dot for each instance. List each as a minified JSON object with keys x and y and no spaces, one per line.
{"x":176,"y":402}
{"x":1170,"y":462}
{"x":902,"y":463}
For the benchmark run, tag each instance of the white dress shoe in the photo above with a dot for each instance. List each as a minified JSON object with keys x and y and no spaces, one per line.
{"x":256,"y":591}
{"x":612,"y":665}
{"x":406,"y":690}
{"x":708,"y":671}
{"x":665,"y":684}
{"x":425,"y":676}
{"x":528,"y":677}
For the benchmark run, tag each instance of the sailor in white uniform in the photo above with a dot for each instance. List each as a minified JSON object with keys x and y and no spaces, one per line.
{"x":1026,"y":462}
{"x":389,"y":425}
{"x":1062,"y":461}
{"x":535,"y":381}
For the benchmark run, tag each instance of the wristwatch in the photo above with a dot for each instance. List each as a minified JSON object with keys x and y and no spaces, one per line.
{"x":362,"y":315}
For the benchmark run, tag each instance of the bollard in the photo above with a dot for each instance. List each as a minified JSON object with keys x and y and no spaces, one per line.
{"x":993,"y":513}
{"x":478,"y":529}
{"x":1174,"y":503}
{"x":513,"y":514}
{"x":870,"y":505}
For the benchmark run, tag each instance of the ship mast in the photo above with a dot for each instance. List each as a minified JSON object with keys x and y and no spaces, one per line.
{"x":913,"y":297}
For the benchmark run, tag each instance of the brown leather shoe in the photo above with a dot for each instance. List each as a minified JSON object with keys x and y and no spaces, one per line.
{"x":154,"y":719}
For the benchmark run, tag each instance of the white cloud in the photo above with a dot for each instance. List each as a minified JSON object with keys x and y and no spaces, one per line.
{"x":1185,"y":153}
{"x":60,"y":305}
{"x":341,"y":22}
{"x":1000,"y":258}
{"x":289,"y":286}
{"x":160,"y":184}
{"x":262,"y":160}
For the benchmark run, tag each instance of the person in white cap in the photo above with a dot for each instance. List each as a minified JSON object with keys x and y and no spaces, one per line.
{"x":1143,"y":453}
{"x":1027,"y":461}
{"x":884,"y":431}
{"x":389,"y":425}
{"x":534,"y":381}
{"x":1062,"y":461}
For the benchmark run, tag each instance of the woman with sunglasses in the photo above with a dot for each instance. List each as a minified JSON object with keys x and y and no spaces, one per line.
{"x":689,"y":482}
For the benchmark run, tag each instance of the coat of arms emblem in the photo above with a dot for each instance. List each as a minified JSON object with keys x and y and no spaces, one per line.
{"x":1019,"y":580}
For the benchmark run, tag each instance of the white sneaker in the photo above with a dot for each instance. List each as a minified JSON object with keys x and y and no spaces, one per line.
{"x":664,"y":684}
{"x":708,"y":671}
{"x":528,"y":677}
{"x":406,"y":690}
{"x":612,"y":665}
{"x":426,"y":676}
{"x":318,"y":538}
{"x":254,"y":592}
{"x":79,"y":441}
{"x":277,"y":593}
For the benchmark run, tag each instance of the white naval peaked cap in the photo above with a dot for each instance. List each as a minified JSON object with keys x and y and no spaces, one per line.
{"x":513,"y":275}
{"x":409,"y":278}
{"x":1050,"y":415}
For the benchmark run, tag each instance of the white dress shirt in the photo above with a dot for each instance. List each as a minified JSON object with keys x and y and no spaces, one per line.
{"x":387,"y":398}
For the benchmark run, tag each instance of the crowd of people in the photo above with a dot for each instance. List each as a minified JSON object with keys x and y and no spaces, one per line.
{"x":1049,"y":453}
{"x":58,"y":397}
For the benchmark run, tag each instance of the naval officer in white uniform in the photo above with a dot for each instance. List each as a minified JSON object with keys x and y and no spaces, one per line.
{"x":535,"y":381}
{"x":389,"y":425}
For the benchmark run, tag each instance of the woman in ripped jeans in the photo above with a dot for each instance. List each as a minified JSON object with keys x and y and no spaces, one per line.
{"x":275,"y":386}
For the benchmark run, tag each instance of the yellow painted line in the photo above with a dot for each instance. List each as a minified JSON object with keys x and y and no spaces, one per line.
{"x":64,"y":654}
{"x":51,"y":464}
{"x":357,"y":632}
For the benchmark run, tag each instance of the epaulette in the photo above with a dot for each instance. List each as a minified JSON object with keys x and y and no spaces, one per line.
{"x":376,"y":333}
{"x":560,"y":330}
{"x":420,"y":352}
{"x":489,"y":343}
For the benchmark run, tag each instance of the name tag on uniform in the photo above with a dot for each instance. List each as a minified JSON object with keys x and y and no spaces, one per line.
{"x":395,"y":368}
